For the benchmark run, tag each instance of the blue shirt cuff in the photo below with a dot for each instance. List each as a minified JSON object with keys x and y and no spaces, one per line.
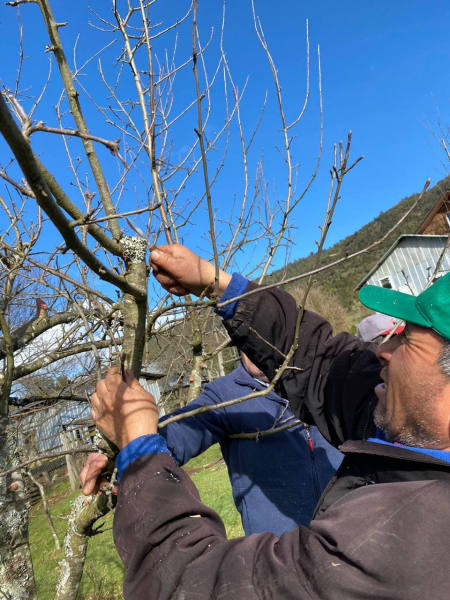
{"x":141,"y":446}
{"x":236,"y":287}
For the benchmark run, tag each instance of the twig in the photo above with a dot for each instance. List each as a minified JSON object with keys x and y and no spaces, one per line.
{"x":266,"y":342}
{"x":113,"y":146}
{"x":265,"y":433}
{"x":440,"y":261}
{"x":83,"y":450}
{"x":40,"y":487}
{"x":128,"y":214}
{"x":207,"y":408}
{"x":336,"y":262}
{"x":200,"y":133}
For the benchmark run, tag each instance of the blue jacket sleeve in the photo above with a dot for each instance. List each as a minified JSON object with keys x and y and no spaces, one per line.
{"x":190,"y":437}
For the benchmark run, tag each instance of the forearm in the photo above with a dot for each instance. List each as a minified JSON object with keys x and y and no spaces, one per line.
{"x":192,"y":436}
{"x":263,"y":326}
{"x":173,"y":546}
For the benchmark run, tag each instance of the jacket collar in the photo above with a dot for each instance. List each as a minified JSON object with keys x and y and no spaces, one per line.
{"x":391,"y":451}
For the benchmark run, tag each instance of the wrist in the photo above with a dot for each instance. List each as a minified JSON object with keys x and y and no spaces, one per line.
{"x":224,"y":280}
{"x":130,"y":434}
{"x":210,"y":287}
{"x":142,"y":446}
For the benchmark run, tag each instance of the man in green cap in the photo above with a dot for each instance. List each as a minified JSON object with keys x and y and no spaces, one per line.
{"x":381,"y":529}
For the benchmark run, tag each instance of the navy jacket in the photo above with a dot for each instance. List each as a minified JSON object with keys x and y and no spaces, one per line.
{"x":277,"y":480}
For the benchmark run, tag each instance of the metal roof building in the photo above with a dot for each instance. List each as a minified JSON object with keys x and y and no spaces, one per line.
{"x":409,"y":263}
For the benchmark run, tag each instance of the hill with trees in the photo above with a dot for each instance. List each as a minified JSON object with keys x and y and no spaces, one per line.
{"x":343,"y":279}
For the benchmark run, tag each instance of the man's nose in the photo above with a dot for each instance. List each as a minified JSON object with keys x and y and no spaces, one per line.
{"x":385,"y":350}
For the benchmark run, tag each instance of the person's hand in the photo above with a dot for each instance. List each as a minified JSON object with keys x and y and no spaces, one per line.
{"x":182,"y":272}
{"x":91,"y":474}
{"x":123,"y":410}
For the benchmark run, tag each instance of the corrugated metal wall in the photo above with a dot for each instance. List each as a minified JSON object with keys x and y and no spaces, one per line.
{"x":417,"y":257}
{"x":46,"y":424}
{"x":153,"y":388}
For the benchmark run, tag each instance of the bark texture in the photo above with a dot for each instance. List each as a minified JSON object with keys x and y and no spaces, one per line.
{"x":16,"y":567}
{"x":134,"y":309}
{"x":85,"y":512}
{"x":195,"y":378}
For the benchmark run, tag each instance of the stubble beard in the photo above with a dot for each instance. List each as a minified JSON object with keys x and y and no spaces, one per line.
{"x":417,"y":431}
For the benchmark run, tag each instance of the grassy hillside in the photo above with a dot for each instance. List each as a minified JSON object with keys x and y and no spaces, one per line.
{"x":342,"y":280}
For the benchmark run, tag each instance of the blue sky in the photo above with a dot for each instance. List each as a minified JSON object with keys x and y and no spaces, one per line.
{"x":384,"y":67}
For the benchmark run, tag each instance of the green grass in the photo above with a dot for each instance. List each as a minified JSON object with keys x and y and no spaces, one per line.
{"x":215,"y":490}
{"x":103,"y":572}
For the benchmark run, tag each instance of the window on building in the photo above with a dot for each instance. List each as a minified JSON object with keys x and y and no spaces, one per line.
{"x":386,"y":282}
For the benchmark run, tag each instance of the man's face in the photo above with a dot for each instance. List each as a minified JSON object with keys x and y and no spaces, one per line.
{"x":414,"y":400}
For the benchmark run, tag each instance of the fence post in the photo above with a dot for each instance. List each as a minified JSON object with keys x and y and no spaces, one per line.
{"x":74,"y":476}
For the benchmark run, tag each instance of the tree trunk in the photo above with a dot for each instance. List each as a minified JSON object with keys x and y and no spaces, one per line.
{"x":195,"y":378}
{"x":134,"y":311}
{"x":16,"y":567}
{"x":85,"y":512}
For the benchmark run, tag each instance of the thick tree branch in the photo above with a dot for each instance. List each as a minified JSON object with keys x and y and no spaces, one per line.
{"x":8,"y":370}
{"x":50,"y":400}
{"x":29,"y":331}
{"x":85,"y":512}
{"x":75,"y":108}
{"x":66,"y":203}
{"x":24,"y":155}
{"x":51,"y":357}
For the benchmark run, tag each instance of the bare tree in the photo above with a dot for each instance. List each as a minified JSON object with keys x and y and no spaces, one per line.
{"x":170,"y":186}
{"x":135,"y":123}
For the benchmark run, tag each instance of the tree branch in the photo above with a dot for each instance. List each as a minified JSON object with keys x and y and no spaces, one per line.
{"x":51,"y":357}
{"x":49,"y":456}
{"x":8,"y":377}
{"x":265,"y":433}
{"x":336,"y":262}
{"x":22,"y":336}
{"x":75,"y":109}
{"x":24,"y":155}
{"x":113,"y":146}
{"x":66,"y":203}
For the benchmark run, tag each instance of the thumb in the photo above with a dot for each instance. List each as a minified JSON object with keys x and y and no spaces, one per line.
{"x":163,"y":260}
{"x":131,"y":380}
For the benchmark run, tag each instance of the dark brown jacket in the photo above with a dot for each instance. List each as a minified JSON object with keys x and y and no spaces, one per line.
{"x":382,"y":529}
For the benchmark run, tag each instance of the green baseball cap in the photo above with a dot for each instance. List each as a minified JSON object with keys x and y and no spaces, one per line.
{"x":429,"y":309}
